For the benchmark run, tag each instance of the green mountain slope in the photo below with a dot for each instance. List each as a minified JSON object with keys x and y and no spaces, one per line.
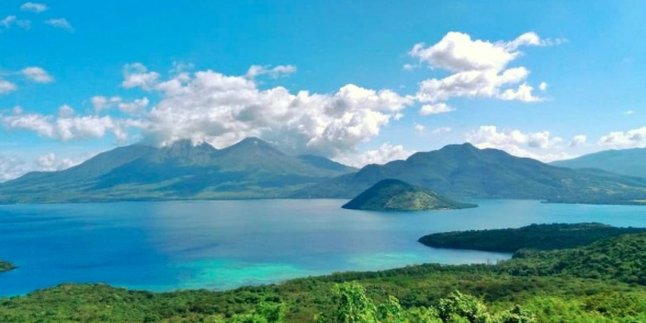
{"x":395,"y":195}
{"x":629,"y":162}
{"x":251,"y":168}
{"x":464,"y":171}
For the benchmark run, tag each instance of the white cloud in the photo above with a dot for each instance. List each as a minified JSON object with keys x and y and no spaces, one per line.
{"x":543,"y":86}
{"x":6,"y":86}
{"x":419,"y":128}
{"x":273,"y":72}
{"x":442,"y":130}
{"x":68,"y":126}
{"x":478,"y":68}
{"x":539,"y":145}
{"x":220,"y":109}
{"x":625,"y":139}
{"x":629,"y":112}
{"x":137,"y":75}
{"x":12,"y":167}
{"x":384,"y":154}
{"x":7,"y":21}
{"x":101,"y":103}
{"x":61,"y":23}
{"x":578,"y":140}
{"x":37,"y":74}
{"x":436,"y":108}
{"x":33,"y":7}
{"x":51,"y":162}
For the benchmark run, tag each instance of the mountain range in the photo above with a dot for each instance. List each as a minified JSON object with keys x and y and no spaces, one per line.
{"x":464,"y":171}
{"x":253,"y":168}
{"x":629,"y":162}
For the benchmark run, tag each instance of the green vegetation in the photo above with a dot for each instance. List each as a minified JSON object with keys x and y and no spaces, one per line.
{"x":600,"y":282}
{"x":6,"y":266}
{"x":395,"y":195}
{"x":629,"y":162}
{"x":464,"y":171}
{"x":535,"y":236}
{"x":251,"y":168}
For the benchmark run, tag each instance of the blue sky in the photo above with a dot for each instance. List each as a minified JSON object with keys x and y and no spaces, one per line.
{"x":55,"y":54}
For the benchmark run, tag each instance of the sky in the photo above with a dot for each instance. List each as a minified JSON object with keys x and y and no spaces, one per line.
{"x":356,"y":81}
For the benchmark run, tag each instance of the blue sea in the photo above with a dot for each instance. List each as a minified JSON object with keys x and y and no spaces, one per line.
{"x":164,"y":246}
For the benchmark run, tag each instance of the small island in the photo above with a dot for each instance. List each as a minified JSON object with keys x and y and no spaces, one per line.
{"x":396,"y":195}
{"x":535,"y":236}
{"x":6,"y":266}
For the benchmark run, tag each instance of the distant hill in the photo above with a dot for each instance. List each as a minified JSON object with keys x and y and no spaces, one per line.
{"x":535,"y":236}
{"x":629,"y":162}
{"x":395,"y":195}
{"x":251,"y":168}
{"x":464,"y":171}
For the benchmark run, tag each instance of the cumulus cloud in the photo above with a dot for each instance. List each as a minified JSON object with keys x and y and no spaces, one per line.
{"x":220,"y":109}
{"x":137,"y":75}
{"x":61,"y":23}
{"x":37,"y":74}
{"x":478,"y":68}
{"x":101,"y":103}
{"x":68,"y":126}
{"x":6,"y":86}
{"x":538,"y":145}
{"x":384,"y":154}
{"x":33,"y":7}
{"x":578,"y":140}
{"x":419,"y":128}
{"x":12,"y":167}
{"x":625,"y":139}
{"x":272,"y":72}
{"x":436,"y":108}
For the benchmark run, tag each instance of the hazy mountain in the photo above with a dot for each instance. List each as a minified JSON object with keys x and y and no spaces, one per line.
{"x":251,"y":168}
{"x":395,"y":195}
{"x":630,"y":162}
{"x":464,"y":171}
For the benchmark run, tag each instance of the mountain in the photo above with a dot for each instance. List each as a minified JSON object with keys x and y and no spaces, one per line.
{"x":629,"y":162}
{"x":395,"y":195}
{"x":464,"y":171}
{"x":250,"y":168}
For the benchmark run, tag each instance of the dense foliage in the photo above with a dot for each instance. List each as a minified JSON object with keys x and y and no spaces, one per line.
{"x":535,"y":236}
{"x":549,"y":286}
{"x":395,"y":195}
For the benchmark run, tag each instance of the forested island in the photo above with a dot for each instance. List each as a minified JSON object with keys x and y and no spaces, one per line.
{"x":396,"y":195}
{"x":6,"y":266}
{"x":603,"y":281}
{"x":535,"y":236}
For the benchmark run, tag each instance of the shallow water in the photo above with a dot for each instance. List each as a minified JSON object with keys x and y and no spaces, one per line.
{"x":163,"y":246}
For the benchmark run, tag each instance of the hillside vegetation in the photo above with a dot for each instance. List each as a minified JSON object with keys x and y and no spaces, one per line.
{"x":600,"y":282}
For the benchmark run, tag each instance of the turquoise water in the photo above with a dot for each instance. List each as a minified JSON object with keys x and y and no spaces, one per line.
{"x":164,"y":246}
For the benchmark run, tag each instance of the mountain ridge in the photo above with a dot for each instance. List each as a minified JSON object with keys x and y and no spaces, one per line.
{"x":628,"y":162}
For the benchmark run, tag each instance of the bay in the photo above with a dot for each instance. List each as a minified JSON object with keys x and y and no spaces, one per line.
{"x":163,"y":246}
